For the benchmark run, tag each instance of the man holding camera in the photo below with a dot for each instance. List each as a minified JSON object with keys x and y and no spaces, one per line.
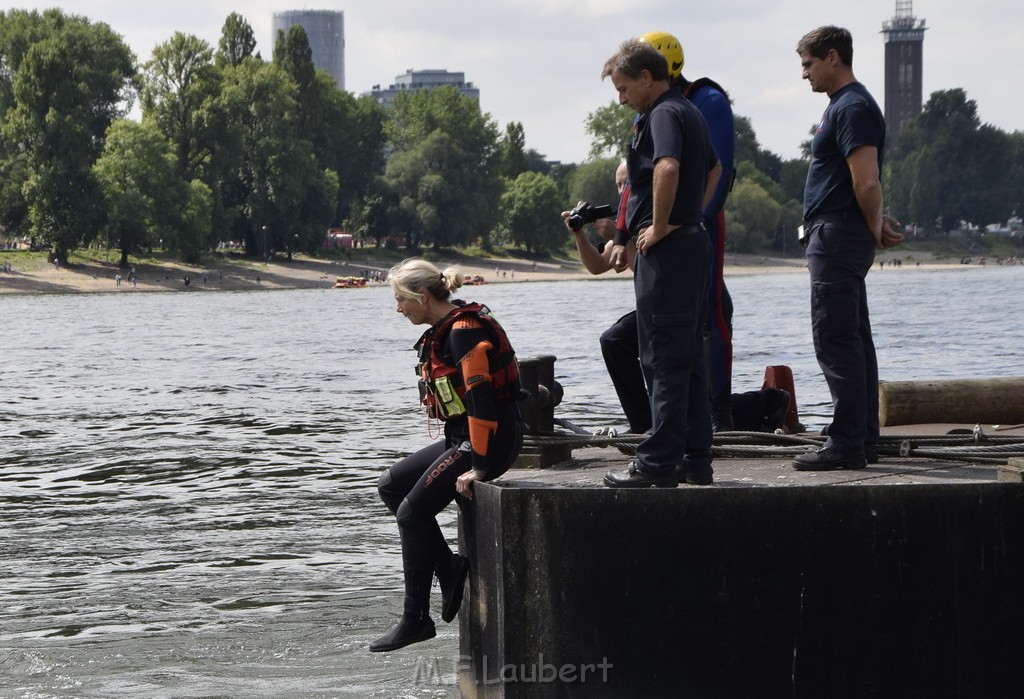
{"x":618,"y":342}
{"x":672,"y":171}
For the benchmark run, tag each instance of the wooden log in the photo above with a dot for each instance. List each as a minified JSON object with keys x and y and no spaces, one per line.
{"x":979,"y":401}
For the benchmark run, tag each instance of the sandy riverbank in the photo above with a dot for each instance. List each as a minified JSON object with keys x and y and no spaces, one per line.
{"x":304,"y":273}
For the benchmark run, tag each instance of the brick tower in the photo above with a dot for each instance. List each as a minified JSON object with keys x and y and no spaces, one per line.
{"x":904,"y":43}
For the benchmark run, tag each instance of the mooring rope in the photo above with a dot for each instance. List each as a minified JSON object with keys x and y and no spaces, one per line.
{"x":975,"y":447}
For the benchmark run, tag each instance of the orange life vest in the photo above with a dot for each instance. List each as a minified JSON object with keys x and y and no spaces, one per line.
{"x":439,"y":372}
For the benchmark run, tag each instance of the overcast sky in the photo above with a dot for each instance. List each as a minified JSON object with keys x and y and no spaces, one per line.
{"x":539,"y":61}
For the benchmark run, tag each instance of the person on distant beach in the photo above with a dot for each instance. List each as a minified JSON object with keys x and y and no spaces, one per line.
{"x":845,"y":221}
{"x":469,"y":380}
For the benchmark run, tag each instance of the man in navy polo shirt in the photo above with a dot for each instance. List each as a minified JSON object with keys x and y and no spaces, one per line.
{"x":843,"y":224}
{"x":673,"y":172}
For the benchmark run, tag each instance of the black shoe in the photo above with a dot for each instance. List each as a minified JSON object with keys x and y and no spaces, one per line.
{"x":453,"y":584}
{"x":828,"y":459}
{"x":694,"y":476}
{"x":409,"y":630}
{"x":633,"y":477}
{"x":871,"y":453}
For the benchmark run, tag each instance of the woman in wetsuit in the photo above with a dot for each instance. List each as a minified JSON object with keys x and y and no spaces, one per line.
{"x":469,"y":380}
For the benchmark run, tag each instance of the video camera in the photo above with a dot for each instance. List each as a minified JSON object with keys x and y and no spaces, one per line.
{"x":585,"y":213}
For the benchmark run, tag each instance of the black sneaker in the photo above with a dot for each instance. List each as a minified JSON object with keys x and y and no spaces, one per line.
{"x":633,"y":477}
{"x":828,"y":459}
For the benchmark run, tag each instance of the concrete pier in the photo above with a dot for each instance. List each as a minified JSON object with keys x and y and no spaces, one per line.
{"x":903,"y":580}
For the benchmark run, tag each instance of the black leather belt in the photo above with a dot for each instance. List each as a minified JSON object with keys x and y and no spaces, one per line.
{"x":689,"y":228}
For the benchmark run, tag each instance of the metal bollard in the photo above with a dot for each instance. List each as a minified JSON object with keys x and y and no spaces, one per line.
{"x":537,"y":375}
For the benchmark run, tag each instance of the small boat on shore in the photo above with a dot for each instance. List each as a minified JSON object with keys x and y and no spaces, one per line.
{"x":349,"y":282}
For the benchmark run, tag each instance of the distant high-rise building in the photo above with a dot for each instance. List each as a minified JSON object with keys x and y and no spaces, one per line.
{"x":424,"y":80}
{"x":326,"y":32}
{"x":904,"y":48}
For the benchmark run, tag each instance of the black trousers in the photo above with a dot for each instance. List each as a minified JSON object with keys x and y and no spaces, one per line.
{"x":620,"y":347}
{"x":840,"y":252}
{"x":671,"y":283}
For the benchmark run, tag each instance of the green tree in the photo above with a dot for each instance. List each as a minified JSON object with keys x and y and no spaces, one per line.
{"x":531,"y":212}
{"x":292,"y":52}
{"x":747,"y":146}
{"x":1017,"y":151}
{"x":179,"y":88}
{"x":141,"y":190}
{"x":346,"y":134}
{"x":237,"y":41}
{"x":749,"y":149}
{"x":443,"y":168}
{"x":610,"y":128}
{"x":594,"y":181}
{"x":13,"y":175}
{"x":19,"y":31}
{"x":793,"y":178}
{"x":181,"y":95}
{"x":513,"y":151}
{"x":770,"y":195}
{"x":356,"y":136}
{"x":752,"y":217}
{"x":373,"y":215}
{"x":193,"y":221}
{"x":947,"y":167}
{"x":73,"y":79}
{"x":277,"y":183}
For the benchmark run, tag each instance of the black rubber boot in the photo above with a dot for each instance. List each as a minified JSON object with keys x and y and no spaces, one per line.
{"x":451,"y":576}
{"x":409,"y":630}
{"x":416,"y":624}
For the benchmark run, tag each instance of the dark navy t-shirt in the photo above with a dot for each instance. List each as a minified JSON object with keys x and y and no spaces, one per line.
{"x":672,"y":128}
{"x":852,"y":119}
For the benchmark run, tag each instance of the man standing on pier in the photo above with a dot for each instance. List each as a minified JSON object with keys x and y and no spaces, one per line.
{"x":843,"y":224}
{"x":673,"y":171}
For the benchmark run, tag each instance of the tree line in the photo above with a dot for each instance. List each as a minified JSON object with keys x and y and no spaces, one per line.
{"x":270,"y":153}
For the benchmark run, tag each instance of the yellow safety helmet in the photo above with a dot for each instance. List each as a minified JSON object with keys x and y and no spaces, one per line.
{"x":669,"y":47}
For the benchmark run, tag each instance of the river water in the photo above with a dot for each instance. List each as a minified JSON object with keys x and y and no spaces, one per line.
{"x":187,"y":500}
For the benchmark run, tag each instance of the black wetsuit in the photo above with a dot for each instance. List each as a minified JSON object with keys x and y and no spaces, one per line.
{"x":419,"y":486}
